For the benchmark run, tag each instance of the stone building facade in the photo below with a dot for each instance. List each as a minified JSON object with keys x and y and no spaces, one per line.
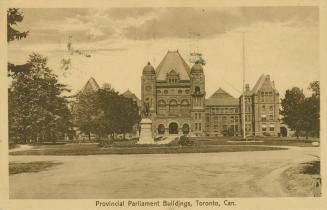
{"x":175,"y":94}
{"x":261,"y":108}
{"x":222,"y":114}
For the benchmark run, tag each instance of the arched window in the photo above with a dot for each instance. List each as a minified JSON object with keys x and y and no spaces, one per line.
{"x":161,"y":107}
{"x":173,"y":107}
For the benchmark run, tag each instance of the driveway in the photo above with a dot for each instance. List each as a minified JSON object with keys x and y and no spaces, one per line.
{"x":233,"y":174}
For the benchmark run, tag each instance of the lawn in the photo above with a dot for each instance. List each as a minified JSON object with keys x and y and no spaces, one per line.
{"x":201,"y":145}
{"x":300,"y":180}
{"x":272,"y":141}
{"x":93,"y":149}
{"x":36,"y":166}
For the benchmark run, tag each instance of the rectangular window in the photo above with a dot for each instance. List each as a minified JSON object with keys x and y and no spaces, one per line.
{"x":263,"y":118}
{"x":196,"y":126}
{"x":200,"y":127}
{"x":199,"y":115}
{"x":271,"y":127}
{"x":195,"y":115}
{"x":263,"y":127}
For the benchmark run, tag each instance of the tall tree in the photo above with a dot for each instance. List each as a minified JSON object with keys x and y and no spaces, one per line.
{"x":15,"y":16}
{"x":105,"y":112}
{"x":292,"y":109}
{"x":37,"y":109}
{"x":312,"y":107}
{"x":128,"y":115}
{"x":302,"y":113}
{"x":86,"y":111}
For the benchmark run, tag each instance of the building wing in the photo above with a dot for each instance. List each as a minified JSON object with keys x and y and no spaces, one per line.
{"x":221,"y":98}
{"x":90,"y":86}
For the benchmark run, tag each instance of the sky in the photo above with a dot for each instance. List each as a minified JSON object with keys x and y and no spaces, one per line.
{"x":280,"y":41}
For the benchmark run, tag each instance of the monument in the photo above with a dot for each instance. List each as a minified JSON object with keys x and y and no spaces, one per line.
{"x":146,"y":136}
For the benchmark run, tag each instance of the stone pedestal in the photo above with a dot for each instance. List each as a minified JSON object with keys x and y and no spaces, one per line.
{"x":146,"y":136}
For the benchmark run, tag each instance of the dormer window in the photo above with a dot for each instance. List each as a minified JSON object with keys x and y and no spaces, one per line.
{"x":173,"y":77}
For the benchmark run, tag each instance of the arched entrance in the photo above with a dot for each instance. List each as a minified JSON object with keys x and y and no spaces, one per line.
{"x":173,"y":128}
{"x":161,"y":129}
{"x":186,"y":129}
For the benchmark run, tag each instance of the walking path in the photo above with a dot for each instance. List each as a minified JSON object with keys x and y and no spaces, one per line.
{"x":233,"y":174}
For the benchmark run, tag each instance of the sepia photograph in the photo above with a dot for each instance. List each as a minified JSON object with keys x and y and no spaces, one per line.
{"x":163,"y":103}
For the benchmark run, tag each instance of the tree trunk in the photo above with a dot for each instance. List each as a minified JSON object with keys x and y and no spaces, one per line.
{"x":89,"y":136}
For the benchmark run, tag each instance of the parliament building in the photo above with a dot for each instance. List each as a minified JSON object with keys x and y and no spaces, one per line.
{"x":176,"y":96}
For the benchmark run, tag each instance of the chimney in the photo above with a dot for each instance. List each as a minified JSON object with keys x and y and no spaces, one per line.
{"x":247,"y":87}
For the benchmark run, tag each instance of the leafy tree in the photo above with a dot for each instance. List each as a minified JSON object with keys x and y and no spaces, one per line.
{"x":15,"y":16}
{"x":37,"y":110}
{"x":302,"y":113}
{"x":312,"y":110}
{"x":85,"y":112}
{"x":292,"y":109}
{"x":128,"y":115}
{"x":315,"y":88}
{"x":108,"y":101}
{"x":105,"y":112}
{"x":310,"y":114}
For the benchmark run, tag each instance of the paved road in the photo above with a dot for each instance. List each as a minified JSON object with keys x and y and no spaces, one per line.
{"x":234,"y":174}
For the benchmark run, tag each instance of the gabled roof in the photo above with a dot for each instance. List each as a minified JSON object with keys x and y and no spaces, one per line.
{"x":261,"y":81}
{"x":129,"y":94}
{"x":173,"y":61}
{"x":90,"y":86}
{"x":221,"y":98}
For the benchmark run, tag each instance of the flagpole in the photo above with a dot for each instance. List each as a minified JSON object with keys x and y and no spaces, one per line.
{"x":243,"y":104}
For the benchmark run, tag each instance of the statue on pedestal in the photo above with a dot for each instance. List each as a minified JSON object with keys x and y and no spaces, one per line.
{"x":146,"y":136}
{"x":145,"y":113}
